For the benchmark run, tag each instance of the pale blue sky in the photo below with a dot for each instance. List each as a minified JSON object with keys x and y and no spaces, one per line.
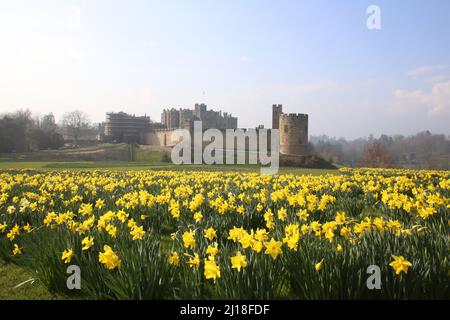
{"x":315,"y":57}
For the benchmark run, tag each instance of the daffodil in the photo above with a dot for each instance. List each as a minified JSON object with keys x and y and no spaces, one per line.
{"x":318,"y":266}
{"x":100,"y":203}
{"x":67,"y":255}
{"x":212,"y":270}
{"x":137,"y":232}
{"x":235,"y":234}
{"x":345,"y":232}
{"x":109,"y":258}
{"x":261,"y":234}
{"x":189,"y":239}
{"x":238,"y":261}
{"x":210,"y":234}
{"x":257,"y":246}
{"x":281,"y":214}
{"x":112,"y":230}
{"x":27,"y":228}
{"x":246,"y":240}
{"x":85,"y":209}
{"x":303,"y":214}
{"x":212,"y":249}
{"x":198,"y":216}
{"x":273,"y":248}
{"x":194,"y":261}
{"x":400,"y":264}
{"x":16,"y":250}
{"x":174,"y":259}
{"x":87,"y":242}
{"x":340,"y":217}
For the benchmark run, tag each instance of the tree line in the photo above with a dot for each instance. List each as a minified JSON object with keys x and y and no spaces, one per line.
{"x":21,"y":132}
{"x":423,"y":150}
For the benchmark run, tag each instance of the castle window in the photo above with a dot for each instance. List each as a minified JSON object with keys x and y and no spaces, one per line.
{"x":285,"y":128}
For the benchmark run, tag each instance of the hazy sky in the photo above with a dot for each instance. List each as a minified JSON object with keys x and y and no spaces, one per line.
{"x":315,"y":57}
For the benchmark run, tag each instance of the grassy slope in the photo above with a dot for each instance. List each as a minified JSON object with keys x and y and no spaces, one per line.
{"x":31,"y":156}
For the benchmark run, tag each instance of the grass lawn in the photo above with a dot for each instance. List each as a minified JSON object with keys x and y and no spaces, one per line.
{"x":12,"y":275}
{"x":134,"y":165}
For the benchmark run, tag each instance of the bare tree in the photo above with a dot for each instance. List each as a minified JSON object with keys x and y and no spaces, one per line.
{"x":47,"y":123}
{"x":73,"y":123}
{"x":376,"y":155}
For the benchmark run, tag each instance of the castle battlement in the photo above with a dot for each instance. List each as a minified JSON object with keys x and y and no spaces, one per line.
{"x":294,"y":116}
{"x":161,"y":130}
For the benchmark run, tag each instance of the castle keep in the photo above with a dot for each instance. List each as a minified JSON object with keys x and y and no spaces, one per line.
{"x":121,"y":127}
{"x":182,"y":118}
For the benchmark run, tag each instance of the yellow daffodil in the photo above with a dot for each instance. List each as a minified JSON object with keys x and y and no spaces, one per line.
{"x":318,"y":266}
{"x":400,"y":264}
{"x":282,"y":214}
{"x":194,"y":261}
{"x":174,"y":259}
{"x":273,"y":248}
{"x":212,"y":270}
{"x":212,"y":249}
{"x":210,"y":234}
{"x":189,"y":239}
{"x":198,"y":216}
{"x":87,"y":242}
{"x":238,"y":261}
{"x":109,"y":258}
{"x":16,"y":250}
{"x":137,"y":232}
{"x":67,"y":255}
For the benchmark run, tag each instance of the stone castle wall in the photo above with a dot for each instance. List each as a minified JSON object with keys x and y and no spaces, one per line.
{"x":161,"y":138}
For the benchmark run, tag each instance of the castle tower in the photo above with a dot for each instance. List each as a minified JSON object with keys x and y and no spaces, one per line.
{"x":293,"y":134}
{"x":200,"y":110}
{"x":277,"y":110}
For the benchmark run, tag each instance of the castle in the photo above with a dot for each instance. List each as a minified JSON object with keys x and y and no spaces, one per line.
{"x":122,"y":127}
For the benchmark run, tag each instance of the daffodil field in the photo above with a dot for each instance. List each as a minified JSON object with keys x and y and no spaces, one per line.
{"x":228,"y":235}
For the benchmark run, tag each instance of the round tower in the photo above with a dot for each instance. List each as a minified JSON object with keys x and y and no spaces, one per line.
{"x":293,"y":134}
